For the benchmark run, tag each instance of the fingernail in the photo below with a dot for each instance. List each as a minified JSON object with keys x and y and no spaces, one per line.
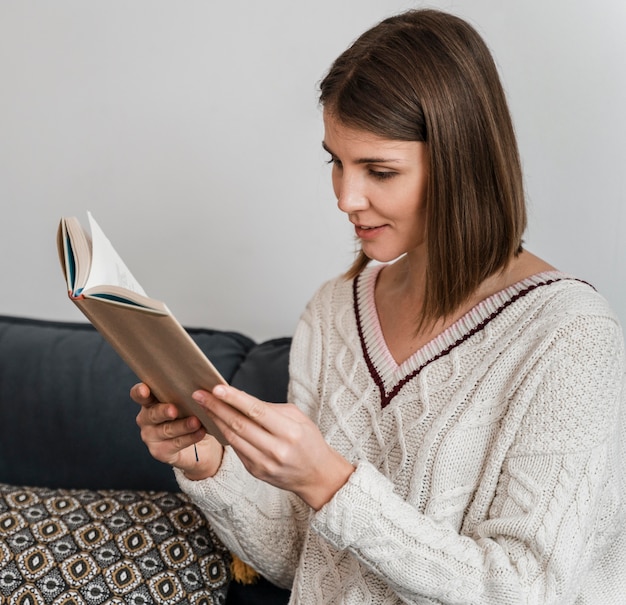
{"x":219,"y":391}
{"x":198,"y":396}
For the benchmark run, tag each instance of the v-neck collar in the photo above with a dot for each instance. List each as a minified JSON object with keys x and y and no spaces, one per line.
{"x":391,"y":376}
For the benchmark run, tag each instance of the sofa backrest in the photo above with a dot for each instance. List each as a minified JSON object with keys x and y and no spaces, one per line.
{"x":66,"y":418}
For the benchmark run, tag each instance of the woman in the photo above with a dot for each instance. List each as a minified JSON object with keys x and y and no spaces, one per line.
{"x":457,"y":428}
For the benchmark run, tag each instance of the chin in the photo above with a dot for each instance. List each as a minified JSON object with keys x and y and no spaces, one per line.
{"x":381,"y":257}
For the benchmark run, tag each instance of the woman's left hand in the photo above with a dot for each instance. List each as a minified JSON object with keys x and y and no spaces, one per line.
{"x":277,"y":443}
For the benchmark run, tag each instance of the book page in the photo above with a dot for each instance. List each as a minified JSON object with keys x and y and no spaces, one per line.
{"x":107,"y":268}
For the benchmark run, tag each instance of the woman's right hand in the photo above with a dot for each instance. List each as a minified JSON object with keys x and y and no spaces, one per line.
{"x":170,"y":439}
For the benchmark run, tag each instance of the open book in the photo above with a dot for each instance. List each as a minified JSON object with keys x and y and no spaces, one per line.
{"x":142,"y":330}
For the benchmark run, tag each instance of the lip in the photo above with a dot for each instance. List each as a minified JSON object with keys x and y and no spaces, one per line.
{"x":366,"y":233}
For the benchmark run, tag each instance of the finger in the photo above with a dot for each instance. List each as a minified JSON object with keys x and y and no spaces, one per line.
{"x":282,"y":420}
{"x":266,"y":456}
{"x":175,"y":450}
{"x":182,"y":441}
{"x":260,"y":412}
{"x":175,"y":429}
{"x":157,"y":413}
{"x":249,"y":441}
{"x":172,"y":436}
{"x":235,"y":424}
{"x":141,"y":394}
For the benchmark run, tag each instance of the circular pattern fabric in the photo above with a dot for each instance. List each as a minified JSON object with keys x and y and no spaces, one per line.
{"x":83,"y":547}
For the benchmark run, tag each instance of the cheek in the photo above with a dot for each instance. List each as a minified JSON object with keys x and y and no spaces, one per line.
{"x":419,"y":196}
{"x":410,"y":201}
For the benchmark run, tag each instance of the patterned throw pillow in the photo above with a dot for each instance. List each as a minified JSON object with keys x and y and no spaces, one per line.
{"x":82,"y":547}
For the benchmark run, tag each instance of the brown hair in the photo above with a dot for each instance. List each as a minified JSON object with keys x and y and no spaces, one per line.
{"x":425,"y":75}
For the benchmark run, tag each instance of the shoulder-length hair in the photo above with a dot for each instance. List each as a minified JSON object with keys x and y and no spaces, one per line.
{"x":425,"y":75}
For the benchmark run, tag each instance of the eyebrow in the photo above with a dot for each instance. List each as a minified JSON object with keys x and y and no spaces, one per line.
{"x":362,"y":160}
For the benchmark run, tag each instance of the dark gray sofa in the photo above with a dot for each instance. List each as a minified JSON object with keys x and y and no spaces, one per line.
{"x":75,"y":478}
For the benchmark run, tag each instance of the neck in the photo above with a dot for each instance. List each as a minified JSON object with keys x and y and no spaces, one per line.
{"x":407,"y":278}
{"x":404,"y":282}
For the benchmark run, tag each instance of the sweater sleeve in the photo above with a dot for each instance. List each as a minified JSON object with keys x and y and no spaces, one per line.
{"x":264,"y":525}
{"x":261,"y":524}
{"x":558,"y":498}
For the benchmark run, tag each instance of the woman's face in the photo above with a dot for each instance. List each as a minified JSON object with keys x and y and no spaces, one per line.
{"x":380,"y":184}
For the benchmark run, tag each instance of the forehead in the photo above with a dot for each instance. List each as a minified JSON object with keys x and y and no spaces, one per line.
{"x":335,"y":129}
{"x":343,"y":139}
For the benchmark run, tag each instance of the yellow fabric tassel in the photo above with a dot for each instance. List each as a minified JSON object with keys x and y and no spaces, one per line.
{"x":242,"y":572}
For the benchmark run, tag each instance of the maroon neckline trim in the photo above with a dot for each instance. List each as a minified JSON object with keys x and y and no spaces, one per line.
{"x":386,"y":398}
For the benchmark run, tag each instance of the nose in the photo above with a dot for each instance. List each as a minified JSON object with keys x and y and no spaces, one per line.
{"x":351,"y":195}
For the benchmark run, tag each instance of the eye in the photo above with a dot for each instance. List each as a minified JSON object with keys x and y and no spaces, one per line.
{"x":382,"y":175}
{"x":334,"y":161}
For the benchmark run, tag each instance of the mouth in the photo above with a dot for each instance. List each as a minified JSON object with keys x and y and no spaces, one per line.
{"x":368,"y":231}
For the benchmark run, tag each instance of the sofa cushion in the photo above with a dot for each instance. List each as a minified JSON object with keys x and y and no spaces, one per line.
{"x":264,"y":372}
{"x":66,"y":417}
{"x":122,"y":547}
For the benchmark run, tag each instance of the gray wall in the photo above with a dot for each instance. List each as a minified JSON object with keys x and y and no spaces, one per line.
{"x":191,"y":131}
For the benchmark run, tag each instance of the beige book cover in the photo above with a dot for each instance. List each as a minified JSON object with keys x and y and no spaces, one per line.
{"x":142,"y":330}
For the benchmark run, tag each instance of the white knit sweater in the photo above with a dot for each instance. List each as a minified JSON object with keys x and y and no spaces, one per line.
{"x":490,"y":465}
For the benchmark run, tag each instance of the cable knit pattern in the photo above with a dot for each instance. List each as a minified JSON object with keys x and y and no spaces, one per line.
{"x":490,"y":465}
